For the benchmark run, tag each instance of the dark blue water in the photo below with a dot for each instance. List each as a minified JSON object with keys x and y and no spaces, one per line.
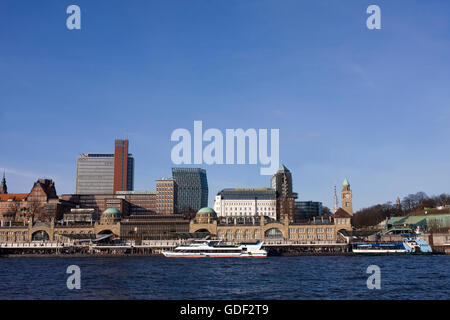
{"x":402,"y":277}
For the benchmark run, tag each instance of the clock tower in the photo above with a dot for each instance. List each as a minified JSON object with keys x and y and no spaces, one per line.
{"x":346,"y":195}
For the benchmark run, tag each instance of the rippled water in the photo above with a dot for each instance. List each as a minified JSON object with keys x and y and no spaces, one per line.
{"x":402,"y":277}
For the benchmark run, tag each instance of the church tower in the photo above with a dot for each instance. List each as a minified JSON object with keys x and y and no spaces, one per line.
{"x":3,"y":187}
{"x":346,"y":197}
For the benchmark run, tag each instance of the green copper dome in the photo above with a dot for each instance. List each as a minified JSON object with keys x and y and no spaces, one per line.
{"x":345,"y":183}
{"x":206,"y":210}
{"x":111,"y":211}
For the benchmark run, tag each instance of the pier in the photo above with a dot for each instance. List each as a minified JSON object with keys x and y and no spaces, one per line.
{"x":144,"y":247}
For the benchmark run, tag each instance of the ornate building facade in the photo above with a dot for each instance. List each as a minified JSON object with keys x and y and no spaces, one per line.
{"x":41,"y":203}
{"x":240,"y":229}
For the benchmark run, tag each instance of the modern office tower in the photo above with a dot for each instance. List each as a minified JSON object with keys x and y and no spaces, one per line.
{"x":305,"y":210}
{"x":166,"y":196}
{"x":248,"y":202}
{"x":192,"y":186}
{"x":123,"y":167}
{"x":105,"y":173}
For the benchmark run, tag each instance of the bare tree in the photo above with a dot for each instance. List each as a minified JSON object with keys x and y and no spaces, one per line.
{"x":34,"y":209}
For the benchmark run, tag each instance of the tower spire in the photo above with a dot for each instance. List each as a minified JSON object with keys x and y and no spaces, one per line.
{"x":335,"y":207}
{"x":3,"y":186}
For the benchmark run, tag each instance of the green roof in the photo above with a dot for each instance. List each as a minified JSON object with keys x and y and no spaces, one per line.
{"x":206,"y":210}
{"x":443,"y":220}
{"x":111,"y":211}
{"x":345,"y":183}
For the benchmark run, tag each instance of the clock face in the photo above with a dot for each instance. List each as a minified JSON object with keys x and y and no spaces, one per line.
{"x":347,"y":196}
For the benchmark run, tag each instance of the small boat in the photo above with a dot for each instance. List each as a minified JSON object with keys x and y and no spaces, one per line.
{"x":216,"y":249}
{"x":410,"y":245}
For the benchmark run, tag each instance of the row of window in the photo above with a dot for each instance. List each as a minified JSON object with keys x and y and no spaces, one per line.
{"x":310,"y":230}
{"x":294,"y":236}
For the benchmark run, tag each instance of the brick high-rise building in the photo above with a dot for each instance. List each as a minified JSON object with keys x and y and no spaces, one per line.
{"x":123,"y":171}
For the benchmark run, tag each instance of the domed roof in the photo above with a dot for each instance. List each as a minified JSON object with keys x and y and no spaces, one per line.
{"x":206,"y":210}
{"x":112,"y":211}
{"x":205,"y":215}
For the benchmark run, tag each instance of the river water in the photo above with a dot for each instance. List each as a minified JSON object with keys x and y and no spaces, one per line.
{"x":306,"y":277}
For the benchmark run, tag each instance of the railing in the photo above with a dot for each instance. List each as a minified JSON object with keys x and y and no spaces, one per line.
{"x":156,"y":244}
{"x":34,"y":245}
{"x":302,"y":243}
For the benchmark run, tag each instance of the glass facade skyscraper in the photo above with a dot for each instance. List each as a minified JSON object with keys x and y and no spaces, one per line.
{"x":192,"y":191}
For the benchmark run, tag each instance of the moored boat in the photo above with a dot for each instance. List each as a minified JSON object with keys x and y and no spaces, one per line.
{"x":409,"y":245}
{"x":216,"y":249}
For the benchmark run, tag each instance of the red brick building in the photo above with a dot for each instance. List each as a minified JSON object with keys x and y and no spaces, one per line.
{"x":41,"y":203}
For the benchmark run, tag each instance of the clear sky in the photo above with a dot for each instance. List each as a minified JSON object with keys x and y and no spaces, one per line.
{"x":370,"y":105}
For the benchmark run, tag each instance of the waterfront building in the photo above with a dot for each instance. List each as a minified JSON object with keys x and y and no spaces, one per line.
{"x":99,"y":202}
{"x":307,"y":210}
{"x":346,"y":197}
{"x":80,"y":216}
{"x":426,"y":222}
{"x":192,"y":187}
{"x":250,"y":202}
{"x":105,"y":173}
{"x":138,"y":202}
{"x":50,"y":231}
{"x":166,"y":199}
{"x":161,"y":201}
{"x":153,"y":227}
{"x":41,"y":203}
{"x":262,"y":228}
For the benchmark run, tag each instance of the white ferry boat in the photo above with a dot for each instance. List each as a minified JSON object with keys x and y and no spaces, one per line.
{"x":216,"y":249}
{"x":410,"y":245}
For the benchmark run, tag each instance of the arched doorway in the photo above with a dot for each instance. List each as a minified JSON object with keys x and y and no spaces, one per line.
{"x":40,"y":235}
{"x":104,"y":236}
{"x":202,"y":233}
{"x":103,"y":232}
{"x":273,"y":234}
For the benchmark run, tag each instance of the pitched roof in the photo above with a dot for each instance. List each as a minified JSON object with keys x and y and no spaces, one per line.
{"x":13,"y":196}
{"x":346,"y":183}
{"x":48,"y":186}
{"x":283,"y":169}
{"x":341,"y":213}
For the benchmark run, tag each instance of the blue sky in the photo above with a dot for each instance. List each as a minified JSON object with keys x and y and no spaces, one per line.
{"x":370,"y":105}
